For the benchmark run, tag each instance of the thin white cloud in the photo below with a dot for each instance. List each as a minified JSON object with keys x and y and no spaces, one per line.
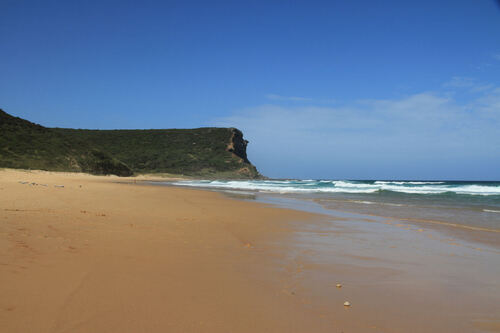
{"x":482,"y":88}
{"x":280,"y":98}
{"x":287,"y":98}
{"x":483,"y":67}
{"x":496,"y":56}
{"x":489,"y":107}
{"x":371,"y":133}
{"x":461,"y":82}
{"x":470,"y":84}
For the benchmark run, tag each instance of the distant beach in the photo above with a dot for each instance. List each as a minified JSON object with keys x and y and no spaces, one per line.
{"x":103,"y":254}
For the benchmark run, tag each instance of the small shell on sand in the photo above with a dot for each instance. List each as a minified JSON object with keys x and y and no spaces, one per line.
{"x":346,"y":303}
{"x":339,"y":285}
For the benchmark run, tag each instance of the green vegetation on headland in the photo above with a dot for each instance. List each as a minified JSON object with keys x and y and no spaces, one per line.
{"x":201,"y":152}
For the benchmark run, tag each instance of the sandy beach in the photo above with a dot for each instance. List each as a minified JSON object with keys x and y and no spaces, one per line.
{"x":84,"y":253}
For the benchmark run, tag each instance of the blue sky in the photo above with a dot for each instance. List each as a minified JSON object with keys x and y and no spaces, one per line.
{"x":322,"y":89}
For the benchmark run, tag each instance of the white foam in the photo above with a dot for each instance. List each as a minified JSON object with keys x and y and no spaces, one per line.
{"x":344,"y":186}
{"x":403,"y":183}
{"x":364,"y":202}
{"x":491,"y":211}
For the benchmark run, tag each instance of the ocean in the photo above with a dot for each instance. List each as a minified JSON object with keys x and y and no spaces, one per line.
{"x":472,"y":204}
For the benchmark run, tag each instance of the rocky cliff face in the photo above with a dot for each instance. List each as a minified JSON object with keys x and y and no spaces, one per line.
{"x":237,"y":145}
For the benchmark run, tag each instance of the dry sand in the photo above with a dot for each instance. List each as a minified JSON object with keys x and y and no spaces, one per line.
{"x":96,"y":256}
{"x":100,"y":256}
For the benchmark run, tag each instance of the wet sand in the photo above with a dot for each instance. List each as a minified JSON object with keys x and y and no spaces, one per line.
{"x":101,"y":256}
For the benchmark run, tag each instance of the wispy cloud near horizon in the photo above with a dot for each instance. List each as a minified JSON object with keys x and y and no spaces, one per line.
{"x":303,"y":100}
{"x":460,"y":82}
{"x":423,"y":135}
{"x":288,"y":98}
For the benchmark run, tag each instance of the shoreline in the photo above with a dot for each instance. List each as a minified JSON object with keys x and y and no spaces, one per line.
{"x":470,"y":233}
{"x":97,"y":255}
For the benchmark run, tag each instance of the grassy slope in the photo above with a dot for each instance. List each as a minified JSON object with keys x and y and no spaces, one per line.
{"x":30,"y":146}
{"x":201,"y":151}
{"x":197,"y":152}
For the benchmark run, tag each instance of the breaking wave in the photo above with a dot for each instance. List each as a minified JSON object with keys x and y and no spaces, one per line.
{"x":345,"y":186}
